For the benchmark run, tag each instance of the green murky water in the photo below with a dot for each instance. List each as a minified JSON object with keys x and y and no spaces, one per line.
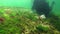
{"x":56,"y":8}
{"x":16,"y":3}
{"x":28,"y":4}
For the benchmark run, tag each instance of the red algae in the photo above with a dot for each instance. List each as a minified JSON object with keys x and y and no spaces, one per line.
{"x":1,"y":19}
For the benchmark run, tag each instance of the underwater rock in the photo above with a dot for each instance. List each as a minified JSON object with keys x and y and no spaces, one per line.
{"x":43,"y":17}
{"x":42,"y":7}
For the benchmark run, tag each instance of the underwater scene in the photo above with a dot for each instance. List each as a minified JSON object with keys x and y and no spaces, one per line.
{"x":29,"y":16}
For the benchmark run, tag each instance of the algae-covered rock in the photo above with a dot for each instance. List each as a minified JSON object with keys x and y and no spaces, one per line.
{"x":42,"y":27}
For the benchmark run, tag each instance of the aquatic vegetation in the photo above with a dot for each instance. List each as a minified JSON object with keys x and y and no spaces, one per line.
{"x":22,"y":21}
{"x":55,"y":21}
{"x":43,"y":27}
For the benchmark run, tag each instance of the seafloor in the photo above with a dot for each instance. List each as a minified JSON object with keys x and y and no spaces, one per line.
{"x":25,"y":21}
